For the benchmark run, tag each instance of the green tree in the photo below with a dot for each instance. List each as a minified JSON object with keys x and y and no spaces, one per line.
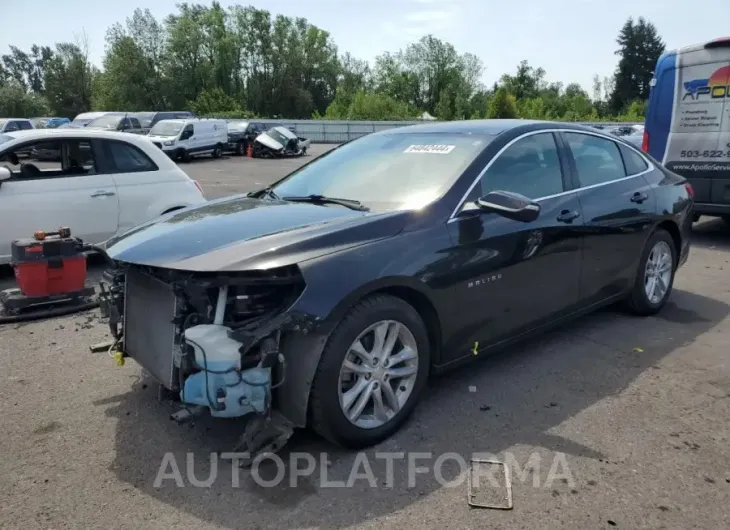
{"x":502,"y":105}
{"x":639,"y":48}
{"x":214,"y":101}
{"x":69,"y":77}
{"x":15,"y":102}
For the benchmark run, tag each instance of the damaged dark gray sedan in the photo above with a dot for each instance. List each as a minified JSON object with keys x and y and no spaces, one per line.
{"x":326,"y":299}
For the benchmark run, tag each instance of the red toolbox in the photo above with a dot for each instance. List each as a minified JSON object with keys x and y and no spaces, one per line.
{"x":49,"y":264}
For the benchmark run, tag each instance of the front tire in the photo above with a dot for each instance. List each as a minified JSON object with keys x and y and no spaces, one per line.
{"x":371,"y":374}
{"x":655,"y":275}
{"x":240,"y":149}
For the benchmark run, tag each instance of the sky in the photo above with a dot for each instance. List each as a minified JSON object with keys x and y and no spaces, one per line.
{"x":573,"y":40}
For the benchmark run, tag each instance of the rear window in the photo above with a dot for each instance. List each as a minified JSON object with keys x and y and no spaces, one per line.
{"x":634,"y":162}
{"x":388,"y":171}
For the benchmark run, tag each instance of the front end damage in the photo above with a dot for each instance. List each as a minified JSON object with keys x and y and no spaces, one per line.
{"x":212,"y":340}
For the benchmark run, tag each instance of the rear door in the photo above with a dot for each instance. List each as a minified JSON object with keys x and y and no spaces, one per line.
{"x":74,"y":192}
{"x":618,"y":206}
{"x":698,"y":146}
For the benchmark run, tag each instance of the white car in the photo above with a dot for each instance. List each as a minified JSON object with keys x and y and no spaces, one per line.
{"x":103,"y":184}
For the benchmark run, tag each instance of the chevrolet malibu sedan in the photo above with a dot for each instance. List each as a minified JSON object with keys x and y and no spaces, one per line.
{"x":327,"y":299}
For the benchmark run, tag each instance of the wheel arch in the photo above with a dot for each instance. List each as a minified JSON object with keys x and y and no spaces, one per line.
{"x":293,"y":397}
{"x":673,"y":230}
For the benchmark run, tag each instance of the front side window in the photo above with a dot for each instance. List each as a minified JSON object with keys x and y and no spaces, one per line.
{"x":530,"y":167}
{"x":54,"y":158}
{"x":598,"y":160}
{"x":134,"y":123}
{"x":127,"y":158}
{"x":391,"y":171}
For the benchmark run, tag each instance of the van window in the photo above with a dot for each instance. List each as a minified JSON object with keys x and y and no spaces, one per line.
{"x":25,"y":125}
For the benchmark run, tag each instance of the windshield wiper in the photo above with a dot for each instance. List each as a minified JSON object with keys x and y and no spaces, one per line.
{"x":321,"y":199}
{"x":264,"y":192}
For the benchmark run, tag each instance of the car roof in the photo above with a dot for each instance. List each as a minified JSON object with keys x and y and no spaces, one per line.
{"x":484,"y":127}
{"x":15,"y":119}
{"x":52,"y":134}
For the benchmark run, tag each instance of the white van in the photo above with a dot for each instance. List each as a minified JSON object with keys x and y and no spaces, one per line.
{"x":688,"y":121}
{"x":183,"y":139}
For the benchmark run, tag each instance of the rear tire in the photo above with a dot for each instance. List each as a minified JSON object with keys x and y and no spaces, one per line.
{"x":655,"y":275}
{"x":409,"y":355}
{"x":218,"y":151}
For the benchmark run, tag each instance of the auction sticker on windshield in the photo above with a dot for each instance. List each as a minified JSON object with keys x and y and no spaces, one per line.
{"x":434,"y":149}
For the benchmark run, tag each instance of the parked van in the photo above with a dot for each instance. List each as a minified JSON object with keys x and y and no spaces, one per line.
{"x":688,"y":121}
{"x":150,"y":119}
{"x":183,"y":139}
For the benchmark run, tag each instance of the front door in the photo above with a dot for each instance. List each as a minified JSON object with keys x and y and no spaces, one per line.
{"x":514,"y":275}
{"x":48,"y":195}
{"x":618,"y":207}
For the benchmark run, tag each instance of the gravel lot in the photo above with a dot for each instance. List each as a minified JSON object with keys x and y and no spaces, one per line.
{"x":638,"y":407}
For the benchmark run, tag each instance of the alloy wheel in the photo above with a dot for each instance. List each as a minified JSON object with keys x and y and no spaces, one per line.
{"x":378,"y":374}
{"x":658,"y":275}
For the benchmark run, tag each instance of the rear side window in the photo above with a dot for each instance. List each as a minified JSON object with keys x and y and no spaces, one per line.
{"x":135,"y":123}
{"x":633,"y":161}
{"x":12,"y":126}
{"x":25,"y":125}
{"x":127,"y":158}
{"x":598,"y":160}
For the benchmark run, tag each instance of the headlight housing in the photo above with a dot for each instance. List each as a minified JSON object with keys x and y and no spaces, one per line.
{"x":169,"y":142}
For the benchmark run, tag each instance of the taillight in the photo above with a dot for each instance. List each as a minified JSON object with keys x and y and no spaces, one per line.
{"x":645,"y":141}
{"x":690,"y":190}
{"x":197,"y":185}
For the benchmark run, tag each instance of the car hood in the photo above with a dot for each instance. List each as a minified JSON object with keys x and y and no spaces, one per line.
{"x":242,"y":233}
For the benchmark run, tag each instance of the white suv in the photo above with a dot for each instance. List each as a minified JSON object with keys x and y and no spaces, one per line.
{"x":99,"y":184}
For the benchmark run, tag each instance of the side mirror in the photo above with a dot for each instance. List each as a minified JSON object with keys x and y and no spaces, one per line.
{"x":510,"y":205}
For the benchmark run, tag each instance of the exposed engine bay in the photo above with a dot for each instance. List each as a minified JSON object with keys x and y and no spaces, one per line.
{"x":210,"y":339}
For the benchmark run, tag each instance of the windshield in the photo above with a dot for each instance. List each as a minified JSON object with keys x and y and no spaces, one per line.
{"x":145,"y":118}
{"x":166,"y":128}
{"x":106,"y":122}
{"x":237,"y":126}
{"x":389,"y":171}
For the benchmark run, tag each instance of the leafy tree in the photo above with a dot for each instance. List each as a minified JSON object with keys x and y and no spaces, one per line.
{"x":639,"y":49}
{"x":502,"y":105}
{"x":16,"y":102}
{"x":69,"y":77}
{"x":214,"y":101}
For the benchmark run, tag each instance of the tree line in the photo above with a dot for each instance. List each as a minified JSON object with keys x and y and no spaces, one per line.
{"x":242,"y":62}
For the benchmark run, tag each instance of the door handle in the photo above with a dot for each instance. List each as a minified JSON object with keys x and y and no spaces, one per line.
{"x":567,"y":216}
{"x":639,"y":197}
{"x":103,"y":193}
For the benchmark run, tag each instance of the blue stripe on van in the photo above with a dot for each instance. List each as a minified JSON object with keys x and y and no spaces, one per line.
{"x":661,"y":101}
